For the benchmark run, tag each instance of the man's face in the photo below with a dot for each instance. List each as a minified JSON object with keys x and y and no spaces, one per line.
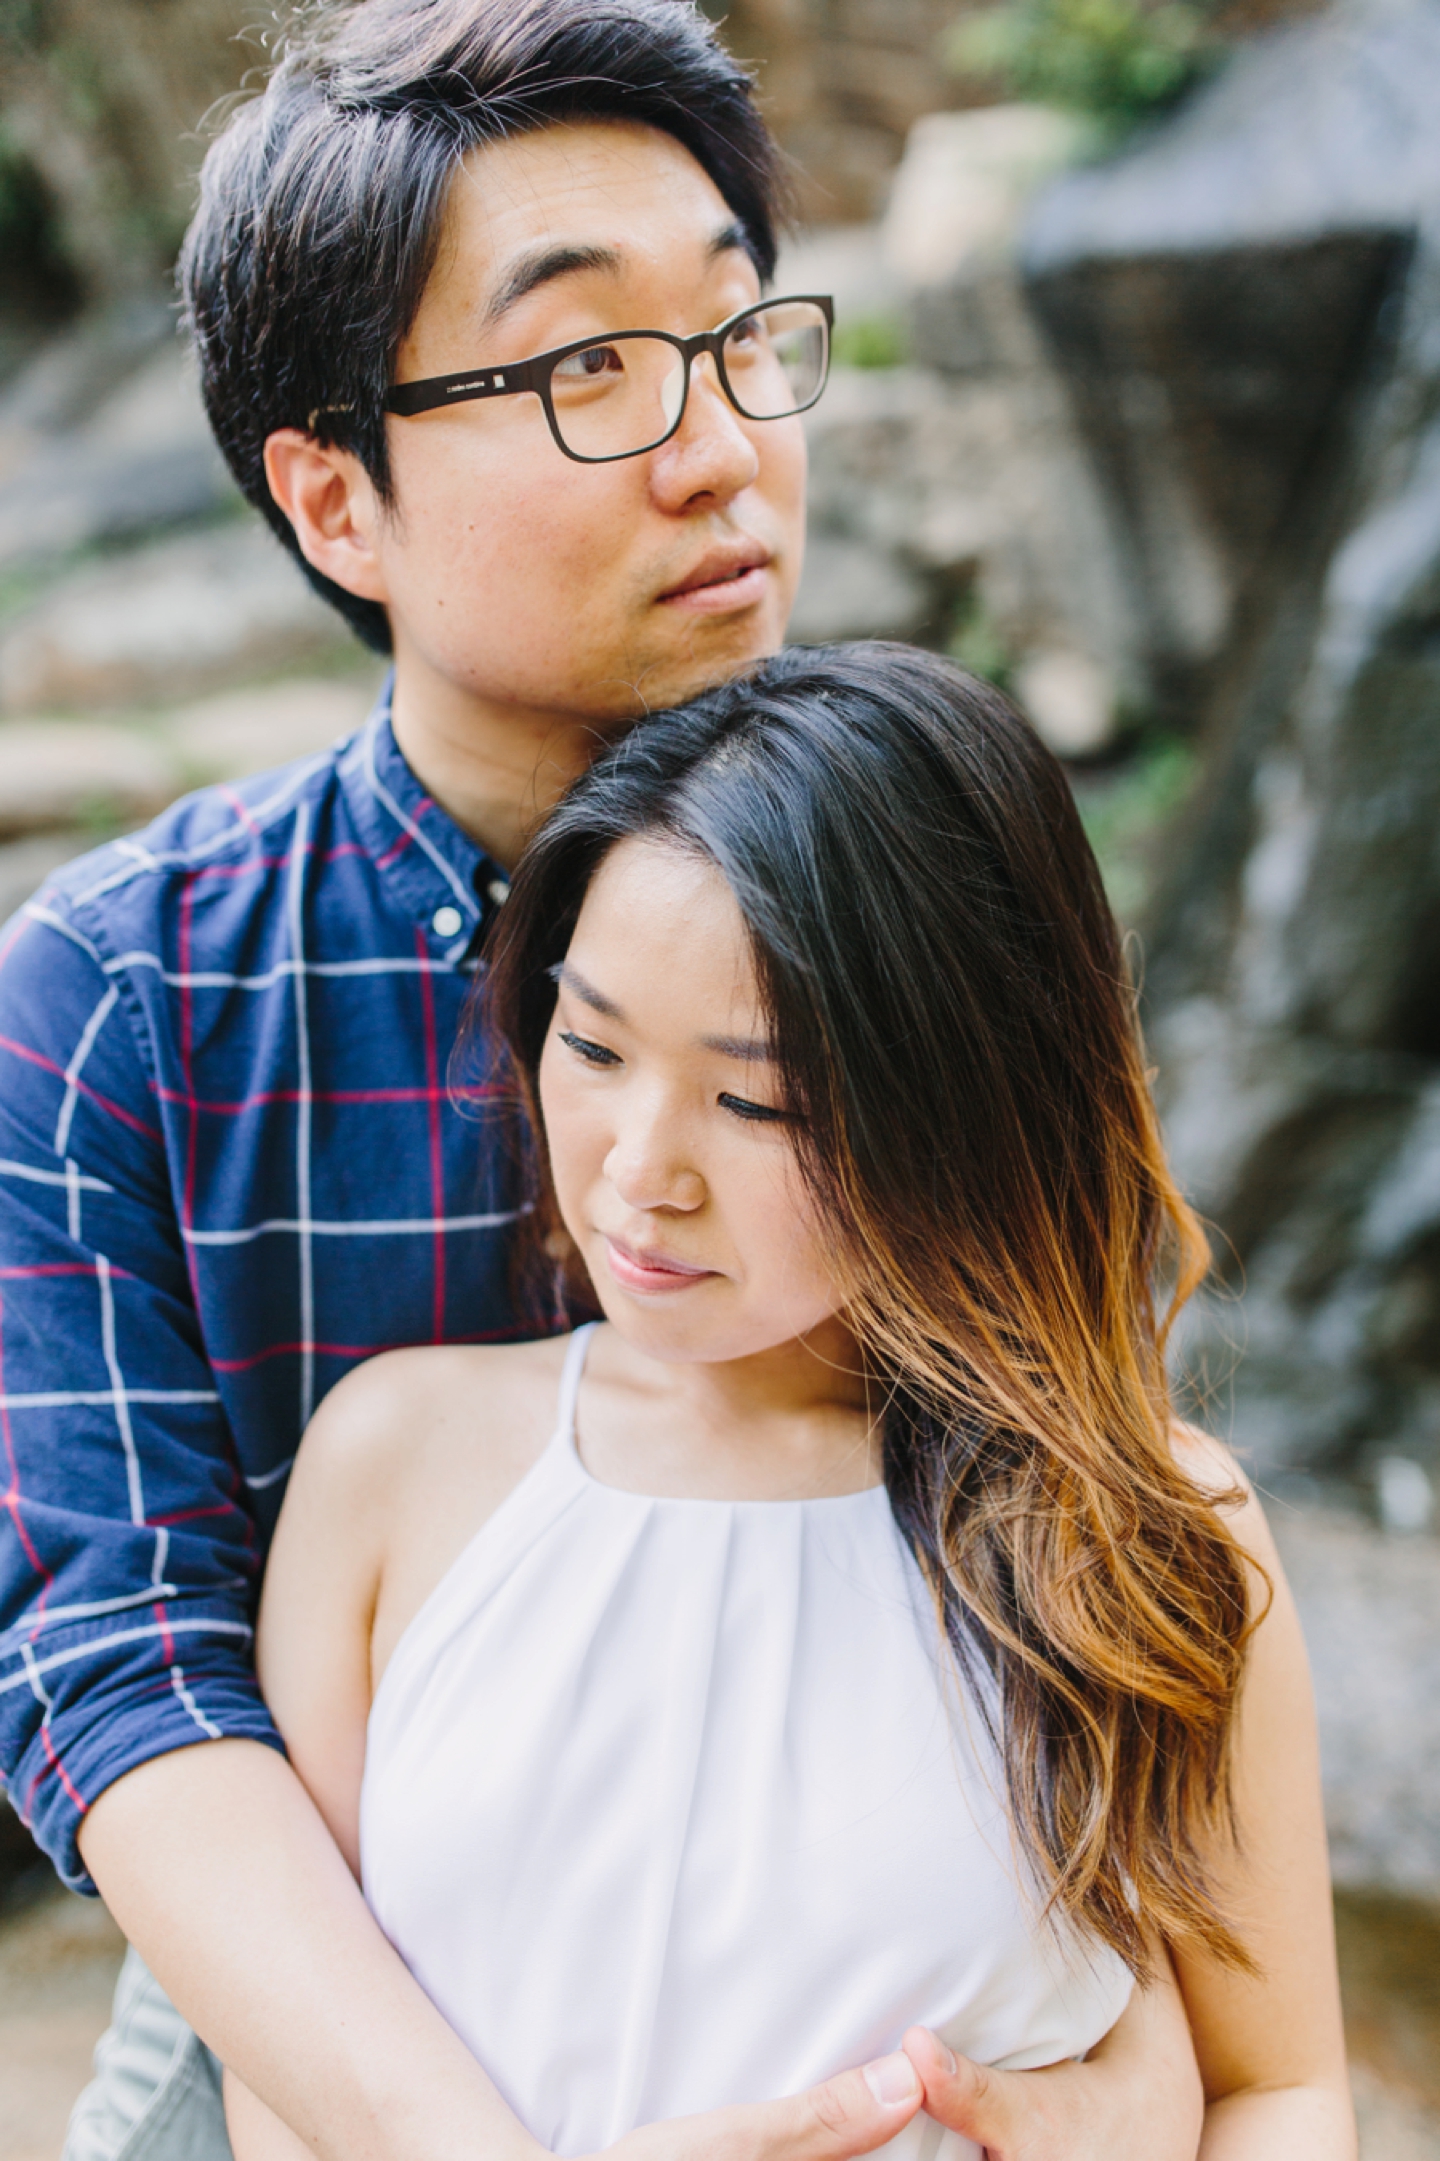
{"x":516,"y":575}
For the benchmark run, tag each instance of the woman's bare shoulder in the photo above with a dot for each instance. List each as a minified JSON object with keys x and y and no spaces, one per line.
{"x":1218,"y":1472}
{"x":402,"y":1409}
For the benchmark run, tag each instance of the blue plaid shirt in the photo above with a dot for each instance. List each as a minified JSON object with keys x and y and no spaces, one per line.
{"x":229,"y":1170}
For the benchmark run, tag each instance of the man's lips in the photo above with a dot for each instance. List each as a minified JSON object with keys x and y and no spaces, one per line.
{"x":726,"y":577}
{"x":637,"y":1268}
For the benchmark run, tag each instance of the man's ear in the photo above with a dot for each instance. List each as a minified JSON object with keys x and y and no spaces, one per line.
{"x":330,"y":500}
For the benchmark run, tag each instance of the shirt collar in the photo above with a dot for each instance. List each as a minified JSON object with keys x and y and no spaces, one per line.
{"x":437,"y":872}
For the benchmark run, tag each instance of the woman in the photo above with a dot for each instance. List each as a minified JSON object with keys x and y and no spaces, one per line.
{"x":843,"y":1646}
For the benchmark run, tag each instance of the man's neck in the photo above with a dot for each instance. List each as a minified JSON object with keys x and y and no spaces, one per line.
{"x":497,"y":770}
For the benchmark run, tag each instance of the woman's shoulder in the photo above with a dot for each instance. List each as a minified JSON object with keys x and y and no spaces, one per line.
{"x":411,"y":1411}
{"x":1217,"y":1471}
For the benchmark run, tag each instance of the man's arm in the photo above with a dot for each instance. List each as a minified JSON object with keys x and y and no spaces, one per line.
{"x":127,"y":1550}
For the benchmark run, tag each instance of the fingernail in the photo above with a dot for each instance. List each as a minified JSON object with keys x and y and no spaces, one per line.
{"x":948,"y":2056}
{"x":892,"y":2079}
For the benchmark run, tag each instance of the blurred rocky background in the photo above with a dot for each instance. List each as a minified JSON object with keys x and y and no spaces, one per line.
{"x":1136,"y":411}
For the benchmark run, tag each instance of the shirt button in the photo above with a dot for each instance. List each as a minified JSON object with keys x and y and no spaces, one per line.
{"x":447,"y":922}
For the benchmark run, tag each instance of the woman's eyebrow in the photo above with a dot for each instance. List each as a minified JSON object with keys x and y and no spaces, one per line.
{"x":572,"y":980}
{"x":754,"y":1049}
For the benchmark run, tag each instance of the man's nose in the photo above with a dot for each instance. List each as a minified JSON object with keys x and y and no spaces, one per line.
{"x":710,"y":453}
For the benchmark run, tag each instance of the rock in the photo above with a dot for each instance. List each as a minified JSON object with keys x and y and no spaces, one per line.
{"x":1070,"y":699}
{"x":849,"y":590}
{"x":962,"y":477}
{"x":970,"y":485}
{"x":955,"y":210}
{"x":141,"y":459}
{"x":1247,"y":306}
{"x":846,"y":261}
{"x":59,"y":772}
{"x":963,"y":185}
{"x":245,"y":731}
{"x":1370,"y":1608}
{"x":1215,"y":295}
{"x":183,"y":615}
{"x":1321,"y":125}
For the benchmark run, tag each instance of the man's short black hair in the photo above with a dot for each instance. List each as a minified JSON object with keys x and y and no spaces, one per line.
{"x":321,"y":202}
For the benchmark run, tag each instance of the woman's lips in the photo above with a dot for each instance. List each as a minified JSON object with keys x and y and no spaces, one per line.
{"x":651,"y":1272}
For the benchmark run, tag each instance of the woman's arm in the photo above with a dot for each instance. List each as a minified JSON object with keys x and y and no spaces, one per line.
{"x":1271,"y":2048}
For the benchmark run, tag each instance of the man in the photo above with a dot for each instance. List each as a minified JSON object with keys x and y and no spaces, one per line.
{"x":231,"y":1166}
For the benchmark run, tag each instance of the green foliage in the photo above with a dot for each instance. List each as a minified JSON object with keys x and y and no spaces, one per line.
{"x":1127,"y":808}
{"x":1114,"y":61}
{"x":976,"y":643}
{"x":870,"y":341}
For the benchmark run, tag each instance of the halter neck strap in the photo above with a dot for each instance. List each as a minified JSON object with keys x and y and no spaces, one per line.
{"x":570,"y":1373}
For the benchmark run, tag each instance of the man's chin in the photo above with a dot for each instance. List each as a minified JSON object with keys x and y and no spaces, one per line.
{"x":673,"y":678}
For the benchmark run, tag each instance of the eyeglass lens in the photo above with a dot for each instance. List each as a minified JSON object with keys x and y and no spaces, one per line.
{"x":614,"y":399}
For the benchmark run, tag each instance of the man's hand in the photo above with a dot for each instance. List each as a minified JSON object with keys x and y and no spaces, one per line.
{"x":1136,"y":2097}
{"x":850,"y":2114}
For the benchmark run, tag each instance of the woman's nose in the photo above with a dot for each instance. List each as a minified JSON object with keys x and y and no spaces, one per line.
{"x":650,"y":1169}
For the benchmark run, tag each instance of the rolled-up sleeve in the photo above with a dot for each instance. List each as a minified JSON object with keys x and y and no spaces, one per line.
{"x":128,"y":1557}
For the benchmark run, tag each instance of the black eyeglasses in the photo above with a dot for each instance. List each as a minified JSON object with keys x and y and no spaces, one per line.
{"x":616,"y":396}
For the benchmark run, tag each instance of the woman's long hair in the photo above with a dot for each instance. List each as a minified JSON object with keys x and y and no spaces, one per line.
{"x":954,"y":1026}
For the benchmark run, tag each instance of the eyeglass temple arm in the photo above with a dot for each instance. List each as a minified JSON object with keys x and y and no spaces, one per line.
{"x":407,"y":399}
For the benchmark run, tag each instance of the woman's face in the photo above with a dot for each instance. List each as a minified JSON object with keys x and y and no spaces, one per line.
{"x":670,"y":1146}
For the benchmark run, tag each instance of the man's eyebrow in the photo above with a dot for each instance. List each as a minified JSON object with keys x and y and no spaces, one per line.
{"x":539,"y":267}
{"x":730,"y":235}
{"x":576,"y":984}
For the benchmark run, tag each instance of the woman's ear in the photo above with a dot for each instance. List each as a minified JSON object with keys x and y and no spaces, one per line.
{"x":330,"y":500}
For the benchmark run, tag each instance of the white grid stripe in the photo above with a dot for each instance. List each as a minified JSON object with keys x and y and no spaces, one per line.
{"x":87,"y":1649}
{"x":457,"y":885}
{"x":73,"y":1183}
{"x":399,"y":1227}
{"x":76,"y":1067}
{"x":269,"y":1478}
{"x":90,"y":1610}
{"x":117,"y":1382}
{"x":38,"y":913}
{"x":217,"y":979}
{"x":37,"y":1177}
{"x":304,"y":1117}
{"x":74,"y":1399}
{"x":241,"y":829}
{"x":31,"y":1677}
{"x":207,"y":1726}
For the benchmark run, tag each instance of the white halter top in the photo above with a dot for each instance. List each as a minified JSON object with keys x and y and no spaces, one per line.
{"x":674,"y":1803}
